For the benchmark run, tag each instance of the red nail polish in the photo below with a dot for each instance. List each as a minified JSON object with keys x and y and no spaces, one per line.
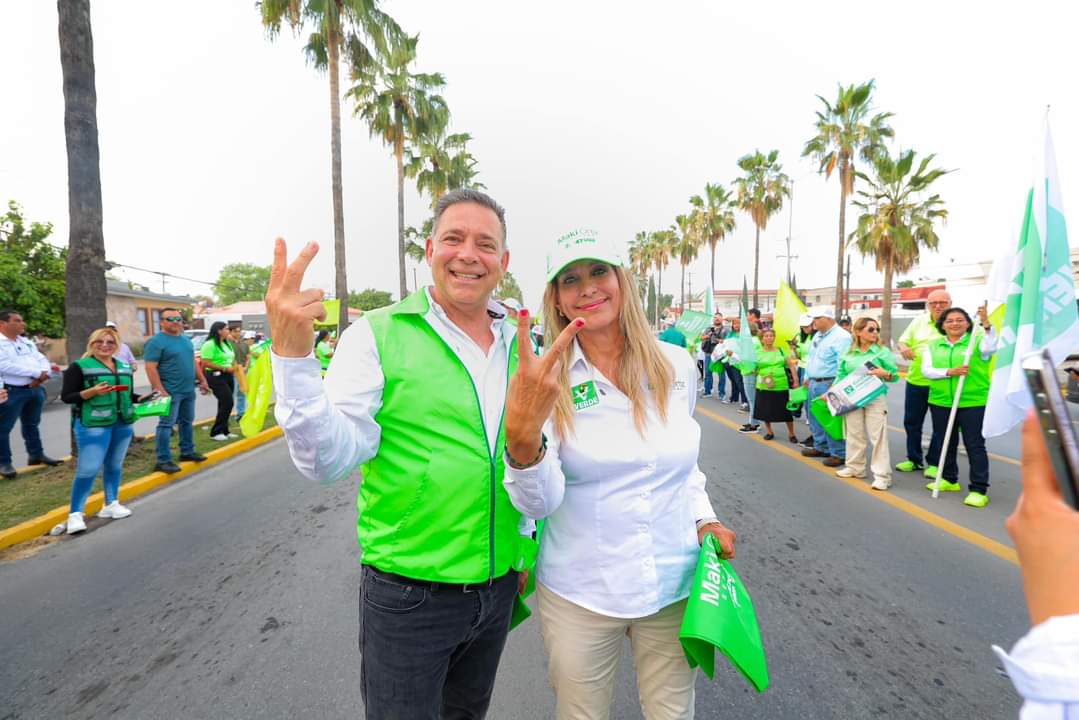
{"x":579,"y":322}
{"x":522,"y":312}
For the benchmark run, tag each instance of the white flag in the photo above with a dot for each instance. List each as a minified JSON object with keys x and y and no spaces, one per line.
{"x":1040,"y":310}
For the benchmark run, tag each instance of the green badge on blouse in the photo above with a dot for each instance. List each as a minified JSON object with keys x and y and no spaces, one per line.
{"x":584,"y":395}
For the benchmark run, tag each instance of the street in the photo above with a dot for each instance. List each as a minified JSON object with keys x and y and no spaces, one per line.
{"x":233,"y":594}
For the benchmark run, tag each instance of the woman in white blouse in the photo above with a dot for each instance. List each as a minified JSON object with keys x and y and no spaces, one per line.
{"x":601,"y":441}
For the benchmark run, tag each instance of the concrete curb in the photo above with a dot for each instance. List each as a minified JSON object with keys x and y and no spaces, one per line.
{"x":151,"y":436}
{"x":40,"y":525}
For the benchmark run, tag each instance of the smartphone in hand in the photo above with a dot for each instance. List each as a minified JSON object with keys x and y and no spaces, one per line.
{"x":119,"y":388}
{"x":1055,"y":422}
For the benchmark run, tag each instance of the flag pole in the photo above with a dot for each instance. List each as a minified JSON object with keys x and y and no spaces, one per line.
{"x":951,"y":417}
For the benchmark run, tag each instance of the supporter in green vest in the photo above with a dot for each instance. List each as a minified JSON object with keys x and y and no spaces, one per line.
{"x":324,"y":350}
{"x":219,"y":364}
{"x":912,"y":343}
{"x":942,"y":365}
{"x":99,"y":389}
{"x":416,"y":395}
{"x":868,"y":424}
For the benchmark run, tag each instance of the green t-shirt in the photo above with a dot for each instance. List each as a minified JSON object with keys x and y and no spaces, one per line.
{"x":879,"y":355}
{"x":223,"y":356}
{"x":772,"y":364}
{"x":324,"y":353}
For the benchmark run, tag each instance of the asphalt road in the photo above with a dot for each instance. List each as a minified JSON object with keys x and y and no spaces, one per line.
{"x":233,"y":594}
{"x":55,"y":424}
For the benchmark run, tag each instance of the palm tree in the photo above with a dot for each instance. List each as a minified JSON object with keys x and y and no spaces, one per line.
{"x":84,"y":296}
{"x":897,"y":220}
{"x":338,"y":25}
{"x":440,"y":164}
{"x":760,"y":193}
{"x":687,"y":244}
{"x":400,"y":107}
{"x":662,"y":244}
{"x":843,"y":133}
{"x":716,"y":210}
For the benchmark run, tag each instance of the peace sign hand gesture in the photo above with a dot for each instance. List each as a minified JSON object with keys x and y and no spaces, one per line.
{"x":290,"y":311}
{"x":534,"y":389}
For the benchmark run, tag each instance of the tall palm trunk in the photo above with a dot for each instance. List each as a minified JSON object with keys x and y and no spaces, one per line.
{"x":340,"y":278}
{"x":659,"y":294}
{"x":886,"y":308}
{"x":84,"y":297}
{"x":756,"y":266}
{"x":399,"y":152}
{"x":842,"y":237}
{"x":712,"y":274}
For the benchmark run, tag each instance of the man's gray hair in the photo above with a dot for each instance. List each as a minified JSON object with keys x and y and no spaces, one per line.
{"x":469,"y":195}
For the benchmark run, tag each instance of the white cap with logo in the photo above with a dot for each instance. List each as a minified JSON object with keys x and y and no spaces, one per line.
{"x":822,"y":311}
{"x":580,"y":245}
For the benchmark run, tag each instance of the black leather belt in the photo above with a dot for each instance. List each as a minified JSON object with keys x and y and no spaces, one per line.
{"x":435,"y":586}
{"x":827,"y":379}
{"x":17,"y":387}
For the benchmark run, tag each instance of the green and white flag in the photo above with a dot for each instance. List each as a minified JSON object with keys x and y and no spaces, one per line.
{"x":1038,"y":291}
{"x":709,"y":302}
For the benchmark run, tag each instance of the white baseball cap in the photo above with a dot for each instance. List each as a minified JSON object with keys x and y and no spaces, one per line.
{"x":806,"y":319}
{"x":110,"y":324}
{"x":580,"y":245}
{"x":823,"y":311}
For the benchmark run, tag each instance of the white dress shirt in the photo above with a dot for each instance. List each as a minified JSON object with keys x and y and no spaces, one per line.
{"x":20,"y":361}
{"x":330,"y":426}
{"x":621,"y":536}
{"x":1044,"y":668}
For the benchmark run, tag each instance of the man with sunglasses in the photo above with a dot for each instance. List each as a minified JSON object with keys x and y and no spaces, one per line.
{"x":23,"y":369}
{"x":172,"y":370}
{"x":921,"y":331}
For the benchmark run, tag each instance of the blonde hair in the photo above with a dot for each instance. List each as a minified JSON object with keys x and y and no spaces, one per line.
{"x":643,"y":363}
{"x":96,"y":335}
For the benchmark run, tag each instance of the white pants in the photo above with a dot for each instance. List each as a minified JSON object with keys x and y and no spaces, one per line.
{"x":584,"y":648}
{"x":869,"y":424}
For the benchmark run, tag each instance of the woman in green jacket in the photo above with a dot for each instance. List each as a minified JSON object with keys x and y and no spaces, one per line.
{"x":219,"y":362}
{"x":775,"y":368}
{"x":868,"y":424}
{"x":942,"y":365}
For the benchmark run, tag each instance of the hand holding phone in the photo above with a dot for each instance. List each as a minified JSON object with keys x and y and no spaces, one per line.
{"x":120,"y":388}
{"x":1055,"y":422}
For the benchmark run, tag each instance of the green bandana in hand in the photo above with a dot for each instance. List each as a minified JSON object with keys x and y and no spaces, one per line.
{"x":720,"y":616}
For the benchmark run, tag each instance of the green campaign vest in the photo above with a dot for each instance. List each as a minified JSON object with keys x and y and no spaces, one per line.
{"x":431,"y":504}
{"x":946,"y":355}
{"x":110,"y":408}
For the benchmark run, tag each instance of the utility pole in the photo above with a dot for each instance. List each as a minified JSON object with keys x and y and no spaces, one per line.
{"x":689,"y":277}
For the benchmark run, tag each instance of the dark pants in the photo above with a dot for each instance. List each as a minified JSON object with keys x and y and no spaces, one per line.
{"x":430,"y":653}
{"x":738,"y":390}
{"x":181,"y":414}
{"x":23,"y":404}
{"x":221,"y":385}
{"x":915,"y":406}
{"x":721,"y":377}
{"x":968,"y":421}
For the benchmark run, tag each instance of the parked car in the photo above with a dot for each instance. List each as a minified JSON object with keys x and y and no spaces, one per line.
{"x":198,"y":337}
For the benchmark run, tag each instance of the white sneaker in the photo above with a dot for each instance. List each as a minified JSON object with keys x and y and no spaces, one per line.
{"x":879,"y":484}
{"x":114,"y":511}
{"x":233,"y":436}
{"x":219,"y":438}
{"x":846,"y":472}
{"x":75,"y":523}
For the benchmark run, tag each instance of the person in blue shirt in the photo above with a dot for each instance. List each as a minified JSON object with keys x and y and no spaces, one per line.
{"x":830,"y":342}
{"x":172,"y":370}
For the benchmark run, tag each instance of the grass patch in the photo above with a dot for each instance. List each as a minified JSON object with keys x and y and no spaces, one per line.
{"x":38,"y":491}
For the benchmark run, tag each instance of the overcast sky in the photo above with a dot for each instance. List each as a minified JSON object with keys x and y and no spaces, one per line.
{"x":214,"y":139}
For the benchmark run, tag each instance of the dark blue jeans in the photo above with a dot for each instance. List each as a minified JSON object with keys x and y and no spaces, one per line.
{"x":181,"y":413}
{"x":968,"y":421}
{"x":430,"y":653}
{"x":915,"y":406}
{"x":23,"y":404}
{"x":738,"y":391}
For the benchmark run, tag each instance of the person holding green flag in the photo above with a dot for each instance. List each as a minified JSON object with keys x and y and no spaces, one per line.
{"x":324,"y":349}
{"x":868,"y":424}
{"x":943,"y":364}
{"x":601,"y":442}
{"x":416,"y":396}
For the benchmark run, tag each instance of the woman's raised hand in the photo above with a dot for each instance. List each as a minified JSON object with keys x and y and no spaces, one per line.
{"x":292,"y":312}
{"x":534,"y":389}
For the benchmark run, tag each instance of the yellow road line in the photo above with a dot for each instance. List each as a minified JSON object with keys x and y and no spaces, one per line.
{"x":955,"y":529}
{"x":994,"y":456}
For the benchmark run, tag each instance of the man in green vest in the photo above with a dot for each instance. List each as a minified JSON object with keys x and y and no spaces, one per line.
{"x":416,"y":396}
{"x":921,"y":332}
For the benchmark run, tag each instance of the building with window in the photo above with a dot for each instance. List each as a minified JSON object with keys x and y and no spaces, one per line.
{"x":137,"y":311}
